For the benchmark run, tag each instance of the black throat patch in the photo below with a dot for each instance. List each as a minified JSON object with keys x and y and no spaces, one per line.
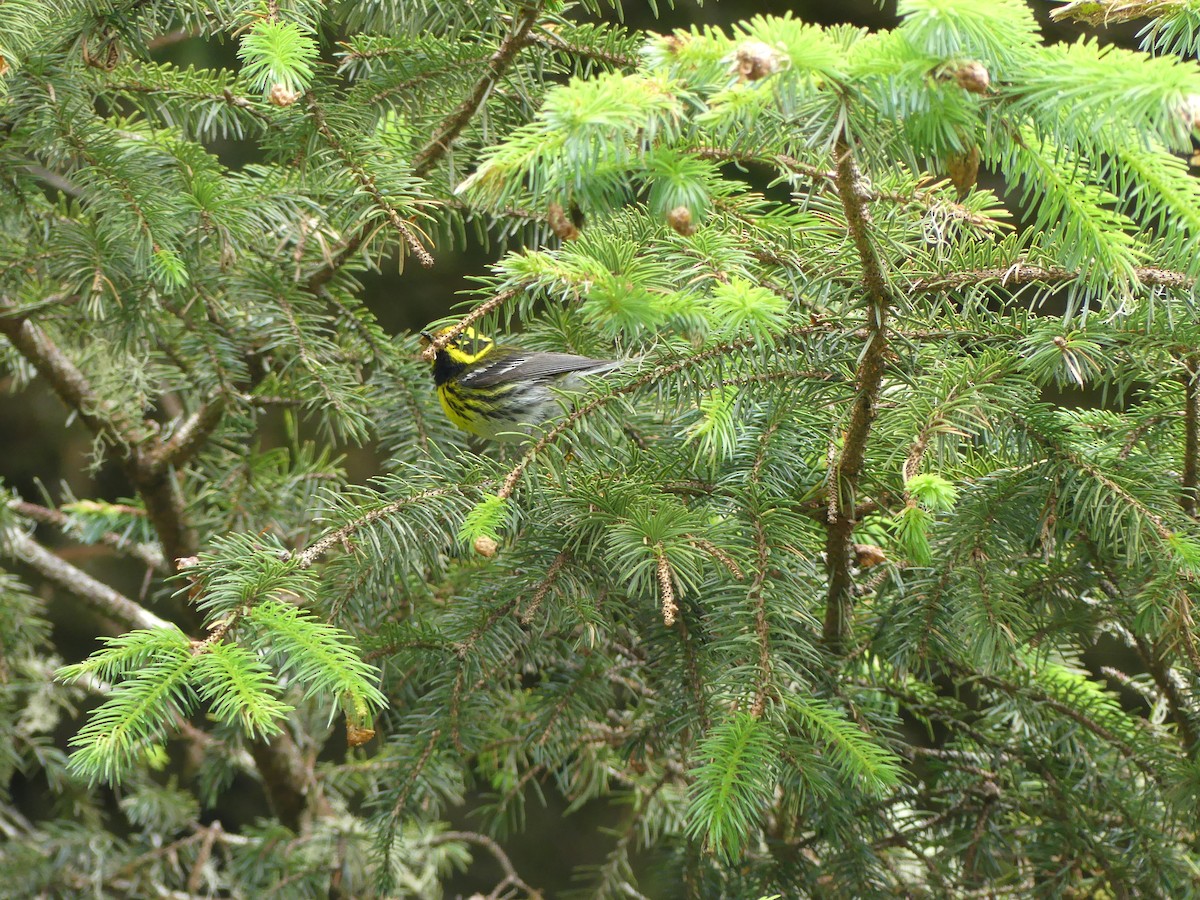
{"x":445,"y":368}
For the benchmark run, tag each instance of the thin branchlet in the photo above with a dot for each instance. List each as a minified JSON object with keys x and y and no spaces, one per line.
{"x":847,"y":468}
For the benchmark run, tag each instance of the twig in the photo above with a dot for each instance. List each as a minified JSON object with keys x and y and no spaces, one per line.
{"x":190,"y":436}
{"x":845,"y":474}
{"x":367,"y":182}
{"x":444,"y":136}
{"x":510,"y":873}
{"x":1191,"y":433}
{"x":526,"y":615}
{"x":319,"y":548}
{"x":442,"y":338}
{"x":1021,"y":272}
{"x":16,"y":544}
{"x":552,"y":41}
{"x":762,"y":682}
{"x":452,"y":126}
{"x":147,"y":553}
{"x":137,"y":444}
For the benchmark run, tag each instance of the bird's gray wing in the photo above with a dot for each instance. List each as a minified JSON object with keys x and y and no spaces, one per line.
{"x":530,"y":366}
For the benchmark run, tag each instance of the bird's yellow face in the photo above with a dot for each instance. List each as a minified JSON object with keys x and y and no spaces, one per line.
{"x":464,"y":349}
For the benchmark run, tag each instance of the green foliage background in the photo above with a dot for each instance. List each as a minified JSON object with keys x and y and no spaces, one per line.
{"x":869,"y":574}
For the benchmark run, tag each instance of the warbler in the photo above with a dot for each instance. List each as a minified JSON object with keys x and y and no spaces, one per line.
{"x":504,"y":393}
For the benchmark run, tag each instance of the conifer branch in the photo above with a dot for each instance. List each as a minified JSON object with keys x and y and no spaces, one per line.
{"x":551,"y":41}
{"x":442,"y":338}
{"x":444,"y":137}
{"x":1022,"y":273}
{"x":511,"y":878}
{"x":452,"y":126}
{"x":367,"y":183}
{"x":527,"y":613}
{"x":410,"y":781}
{"x":720,"y":556}
{"x":147,"y":553}
{"x":319,"y":548}
{"x":137,"y":444}
{"x":1191,"y":434}
{"x":762,"y":631}
{"x":845,"y":473}
{"x":17,"y":545}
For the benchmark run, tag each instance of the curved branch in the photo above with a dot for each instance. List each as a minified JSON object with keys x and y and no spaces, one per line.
{"x":847,"y":467}
{"x":142,"y":454}
{"x":17,"y":545}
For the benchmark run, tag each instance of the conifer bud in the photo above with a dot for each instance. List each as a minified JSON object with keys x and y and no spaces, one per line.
{"x":963,"y":169}
{"x":486,"y":546}
{"x":564,"y":229}
{"x":281,"y":95}
{"x":868,"y":555}
{"x":680,"y":219}
{"x":3,"y":66}
{"x":973,"y":77}
{"x":755,"y":60}
{"x":357,"y":735}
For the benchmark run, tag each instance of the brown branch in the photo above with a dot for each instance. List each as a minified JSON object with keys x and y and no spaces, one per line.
{"x":136,"y":442}
{"x":511,"y":878}
{"x":319,"y":548}
{"x":1022,"y":273}
{"x":452,"y":126}
{"x":147,"y":553}
{"x":445,"y":135}
{"x":367,"y":182}
{"x":1191,"y":433}
{"x":17,"y":545}
{"x":844,"y":474}
{"x":439,"y":341}
{"x":190,"y":436}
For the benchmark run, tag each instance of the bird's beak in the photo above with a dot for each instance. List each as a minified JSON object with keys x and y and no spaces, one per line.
{"x":426,"y":337}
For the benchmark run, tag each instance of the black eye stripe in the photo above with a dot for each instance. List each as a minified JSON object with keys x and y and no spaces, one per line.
{"x":473,"y":346}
